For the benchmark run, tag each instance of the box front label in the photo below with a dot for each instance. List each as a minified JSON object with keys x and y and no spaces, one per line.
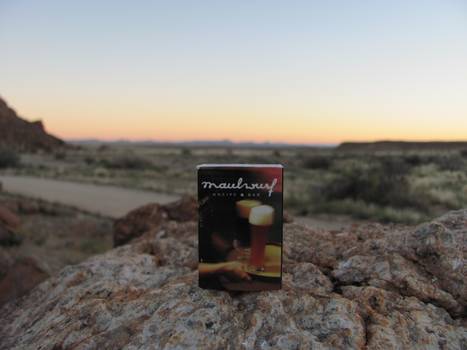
{"x":240,"y":227}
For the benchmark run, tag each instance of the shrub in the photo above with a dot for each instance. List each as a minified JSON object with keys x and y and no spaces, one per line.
{"x":450,"y":162}
{"x":317,"y":162}
{"x":60,"y":155}
{"x":364,"y":211}
{"x":8,"y":158}
{"x":89,"y":160}
{"x":380,"y":181}
{"x":185,"y":151}
{"x":414,"y":159}
{"x":128,"y":162}
{"x":276,"y":153}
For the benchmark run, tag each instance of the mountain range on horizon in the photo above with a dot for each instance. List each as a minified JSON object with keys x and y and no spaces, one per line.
{"x":22,"y":135}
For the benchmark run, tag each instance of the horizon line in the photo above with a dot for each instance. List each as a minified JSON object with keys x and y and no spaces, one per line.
{"x":233,"y":142}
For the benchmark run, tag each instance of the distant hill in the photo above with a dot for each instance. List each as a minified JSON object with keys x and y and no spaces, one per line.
{"x":22,"y":135}
{"x":400,"y":146}
{"x":199,"y":144}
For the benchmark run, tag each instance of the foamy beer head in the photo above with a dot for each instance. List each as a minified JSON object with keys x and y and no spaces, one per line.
{"x":262,"y":215}
{"x":244,"y":207}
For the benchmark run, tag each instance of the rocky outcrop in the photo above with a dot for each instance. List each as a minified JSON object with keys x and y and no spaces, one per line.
{"x":375,"y":287}
{"x":22,"y":135}
{"x":386,"y":146}
{"x":19,"y":278}
{"x":152,"y":216}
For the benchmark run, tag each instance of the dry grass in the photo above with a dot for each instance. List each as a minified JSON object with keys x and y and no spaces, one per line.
{"x":396,"y":186}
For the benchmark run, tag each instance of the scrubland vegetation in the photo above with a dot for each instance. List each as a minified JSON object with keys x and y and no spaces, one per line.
{"x":398,"y":186}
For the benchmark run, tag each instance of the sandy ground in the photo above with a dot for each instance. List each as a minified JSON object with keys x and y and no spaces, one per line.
{"x":105,"y":200}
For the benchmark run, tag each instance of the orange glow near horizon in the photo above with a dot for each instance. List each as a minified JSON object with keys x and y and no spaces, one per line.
{"x":172,"y":125}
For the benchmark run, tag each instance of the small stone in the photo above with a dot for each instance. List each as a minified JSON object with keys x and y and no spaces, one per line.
{"x":9,"y":218}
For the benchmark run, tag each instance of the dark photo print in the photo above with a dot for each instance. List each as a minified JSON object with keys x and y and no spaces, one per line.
{"x":240,"y":226}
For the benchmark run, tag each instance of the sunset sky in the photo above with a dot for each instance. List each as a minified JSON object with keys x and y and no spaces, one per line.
{"x":288,"y":71}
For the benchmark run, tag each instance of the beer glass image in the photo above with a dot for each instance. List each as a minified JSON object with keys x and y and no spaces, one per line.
{"x":261,"y":218}
{"x":242,"y":226}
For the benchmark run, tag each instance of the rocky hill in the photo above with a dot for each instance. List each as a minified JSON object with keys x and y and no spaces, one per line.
{"x":400,"y":146}
{"x":22,"y":135}
{"x":372,"y":287}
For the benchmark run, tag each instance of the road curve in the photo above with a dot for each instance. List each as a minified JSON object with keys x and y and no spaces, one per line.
{"x":110,"y":201}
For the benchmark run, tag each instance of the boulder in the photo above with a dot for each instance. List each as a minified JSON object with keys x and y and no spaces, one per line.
{"x":152,"y":216}
{"x":185,"y":209}
{"x":374,"y":287}
{"x":137,"y":222}
{"x":19,"y":278}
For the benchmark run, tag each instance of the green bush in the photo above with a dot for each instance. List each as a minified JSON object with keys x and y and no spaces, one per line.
{"x":8,"y":158}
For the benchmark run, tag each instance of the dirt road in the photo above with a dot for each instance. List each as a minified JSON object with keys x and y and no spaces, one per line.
{"x":106,"y":200}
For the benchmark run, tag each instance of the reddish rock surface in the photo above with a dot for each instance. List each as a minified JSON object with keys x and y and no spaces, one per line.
{"x":185,"y":209}
{"x":374,"y":287}
{"x":20,"y":278}
{"x":9,"y":218}
{"x":152,"y":216}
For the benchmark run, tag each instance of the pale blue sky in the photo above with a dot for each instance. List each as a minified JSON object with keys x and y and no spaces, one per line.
{"x":297,"y":71}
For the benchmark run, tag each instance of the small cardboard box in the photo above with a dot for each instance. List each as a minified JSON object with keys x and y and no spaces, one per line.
{"x":240,"y":226}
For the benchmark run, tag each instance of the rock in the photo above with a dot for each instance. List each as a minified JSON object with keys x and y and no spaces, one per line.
{"x":428,"y":262}
{"x":152,"y":216}
{"x":9,"y":218}
{"x":21,"y":135}
{"x":369,"y":288}
{"x":396,"y":322}
{"x":185,"y":209}
{"x":19,"y":278}
{"x":137,"y":222}
{"x":287,"y":217}
{"x":28,"y":207}
{"x":6,"y":261}
{"x":8,"y":237}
